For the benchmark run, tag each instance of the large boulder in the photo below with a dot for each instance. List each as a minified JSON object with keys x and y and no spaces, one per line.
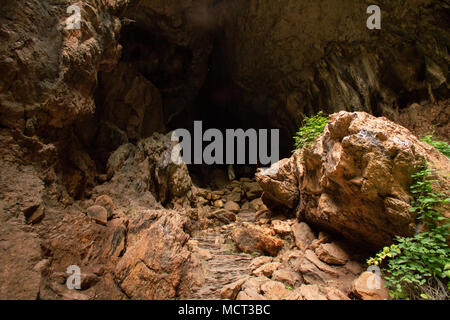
{"x":157,"y":263}
{"x":252,"y":239}
{"x":356,"y":178}
{"x":145,"y":172}
{"x":280,"y":185}
{"x":366,"y":287}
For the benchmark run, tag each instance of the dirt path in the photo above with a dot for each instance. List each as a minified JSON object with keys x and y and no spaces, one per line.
{"x":226,"y":265}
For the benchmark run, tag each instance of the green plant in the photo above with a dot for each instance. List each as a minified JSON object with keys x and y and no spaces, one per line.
{"x":416,"y":267}
{"x":442,"y":146}
{"x":289,"y":288}
{"x":256,"y":254}
{"x":312,"y":128}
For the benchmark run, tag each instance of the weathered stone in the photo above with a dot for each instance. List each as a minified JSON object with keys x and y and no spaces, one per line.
{"x":145,"y":174}
{"x":35,"y":214}
{"x":232,"y":206}
{"x":281,"y":227}
{"x":98,"y":214}
{"x":332,"y":253}
{"x":267,"y":269}
{"x":303,"y":235}
{"x":311,"y":292}
{"x":107,"y":203}
{"x":357,"y":176}
{"x":252,"y":190}
{"x":287,"y":276}
{"x":366,"y":287}
{"x":274,"y":290}
{"x":256,"y":205}
{"x":157,"y":263}
{"x":280,"y":186}
{"x":255,"y":239}
{"x":258,"y":262}
{"x":230,"y":291}
{"x":218,"y":204}
{"x":335,"y":294}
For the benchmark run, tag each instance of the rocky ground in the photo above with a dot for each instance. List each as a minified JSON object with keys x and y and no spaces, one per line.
{"x":85,"y":173}
{"x":284,"y":235}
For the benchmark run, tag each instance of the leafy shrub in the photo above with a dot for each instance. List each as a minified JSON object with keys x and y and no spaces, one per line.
{"x":313,"y":127}
{"x":415,"y":266}
{"x":442,"y":146}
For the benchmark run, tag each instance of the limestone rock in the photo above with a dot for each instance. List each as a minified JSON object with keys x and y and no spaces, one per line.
{"x":335,"y":294}
{"x":252,"y":190}
{"x":144,"y":173}
{"x":257,"y":205}
{"x":98,"y":214}
{"x":230,"y":291}
{"x":357,"y":176}
{"x":232,"y":206}
{"x":267,"y":269}
{"x":274,"y":290}
{"x":334,"y":74}
{"x":281,"y":227}
{"x":287,"y":276}
{"x":255,"y":239}
{"x":251,"y":289}
{"x":34,"y":214}
{"x":258,"y":262}
{"x":218,"y":204}
{"x":107,"y":203}
{"x":157,"y":263}
{"x":332,"y":253}
{"x":311,"y":292}
{"x":57,"y":69}
{"x":303,"y":234}
{"x":18,"y":275}
{"x":366,"y":289}
{"x":280,"y":185}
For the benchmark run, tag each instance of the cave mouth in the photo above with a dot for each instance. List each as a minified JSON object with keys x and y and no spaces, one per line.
{"x":217,"y":103}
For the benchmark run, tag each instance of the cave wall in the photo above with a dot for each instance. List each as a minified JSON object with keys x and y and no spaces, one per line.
{"x":70,"y":97}
{"x":319,"y":55}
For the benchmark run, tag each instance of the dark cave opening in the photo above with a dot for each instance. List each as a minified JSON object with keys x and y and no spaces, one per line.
{"x":221,"y":105}
{"x":161,"y":62}
{"x":218,"y":103}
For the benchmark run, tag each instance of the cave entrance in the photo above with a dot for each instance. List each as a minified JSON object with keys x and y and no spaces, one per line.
{"x":218,"y":103}
{"x":221,"y":105}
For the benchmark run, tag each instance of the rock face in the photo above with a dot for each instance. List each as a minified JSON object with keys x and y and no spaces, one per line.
{"x":156,"y":264}
{"x":68,"y":98}
{"x":357,"y":176}
{"x":50,"y":73}
{"x":300,"y":57}
{"x":170,"y":43}
{"x":20,"y":253}
{"x":128,"y":110}
{"x":280,"y":185}
{"x":354,"y":179}
{"x":303,"y":235}
{"x":419,"y":118}
{"x":144,"y":172}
